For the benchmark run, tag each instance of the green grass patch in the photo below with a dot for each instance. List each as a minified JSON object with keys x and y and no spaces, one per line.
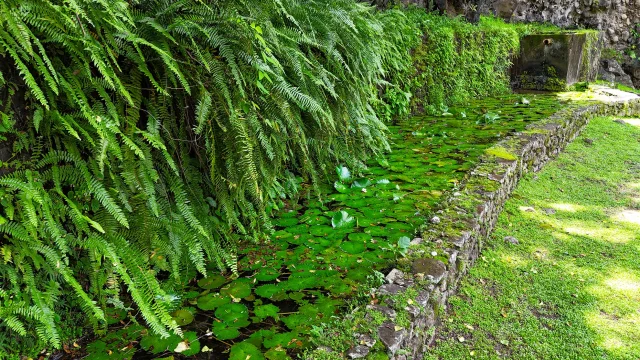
{"x":571,"y":288}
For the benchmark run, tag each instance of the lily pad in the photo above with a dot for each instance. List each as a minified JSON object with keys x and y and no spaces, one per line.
{"x":223,"y":332}
{"x":268,"y":291}
{"x":286,"y":222}
{"x":320,"y":230}
{"x":264,"y":311}
{"x":361,"y":183}
{"x":340,"y":187}
{"x":211,"y":301}
{"x":353,"y":247}
{"x":276,"y":354}
{"x":267,"y":274}
{"x":343,"y":173}
{"x":212,"y":282}
{"x":342,"y":219}
{"x":231,"y":313}
{"x":183,"y":317}
{"x":245,"y":350}
{"x":238,"y":289}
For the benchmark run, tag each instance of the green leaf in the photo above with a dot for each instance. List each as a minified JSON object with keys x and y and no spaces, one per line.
{"x":267,"y":274}
{"x":361,"y":183}
{"x":238,"y":289}
{"x":223,"y":332}
{"x":342,"y":219}
{"x":343,"y":173}
{"x":404,"y":242}
{"x":245,"y":351}
{"x":267,"y":291}
{"x":264,"y":311}
{"x":212,"y":282}
{"x":231,"y":313}
{"x":212,"y":301}
{"x":352,"y":247}
{"x":340,"y":187}
{"x":182,"y":317}
{"x":277,"y":354}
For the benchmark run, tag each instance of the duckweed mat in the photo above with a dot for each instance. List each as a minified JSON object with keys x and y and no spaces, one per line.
{"x":325,"y":255}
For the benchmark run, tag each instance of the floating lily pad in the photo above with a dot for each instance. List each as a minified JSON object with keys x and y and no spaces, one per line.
{"x":190,"y":345}
{"x":267,"y":274}
{"x":276,"y":354}
{"x":268,"y":290}
{"x":286,"y":222}
{"x":238,"y":289}
{"x":320,"y":230}
{"x":264,"y":311}
{"x":212,"y":282}
{"x":361,"y":183}
{"x":223,"y":332}
{"x":244,"y":351}
{"x":231,"y":313}
{"x":283,"y":340}
{"x":353,"y":247}
{"x":343,"y":173}
{"x":340,"y":187}
{"x":182,"y":317}
{"x":360,"y":237}
{"x":342,"y":219}
{"x":155,"y":344}
{"x":211,"y":301}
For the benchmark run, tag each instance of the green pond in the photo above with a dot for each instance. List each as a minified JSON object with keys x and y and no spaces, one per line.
{"x":323,"y":254}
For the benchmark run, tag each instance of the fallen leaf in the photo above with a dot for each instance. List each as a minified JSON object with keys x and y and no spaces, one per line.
{"x":182,"y":347}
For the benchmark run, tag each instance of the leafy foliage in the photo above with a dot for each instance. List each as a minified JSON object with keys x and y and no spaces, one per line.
{"x":149,"y":137}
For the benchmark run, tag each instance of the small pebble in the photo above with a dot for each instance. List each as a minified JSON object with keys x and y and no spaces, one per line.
{"x":588,"y":141}
{"x":511,"y":240}
{"x":435,"y":220}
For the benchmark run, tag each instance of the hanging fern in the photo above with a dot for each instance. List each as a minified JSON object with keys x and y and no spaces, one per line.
{"x":150,"y":137}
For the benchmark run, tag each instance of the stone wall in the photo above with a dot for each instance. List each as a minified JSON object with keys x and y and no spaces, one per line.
{"x":419,"y":289}
{"x":616,"y":19}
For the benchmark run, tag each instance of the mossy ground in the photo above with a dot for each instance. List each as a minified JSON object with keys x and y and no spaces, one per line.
{"x":571,"y":288}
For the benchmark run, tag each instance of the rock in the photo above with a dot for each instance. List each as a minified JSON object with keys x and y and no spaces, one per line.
{"x":435,"y":220}
{"x":395,"y":276}
{"x":511,"y":240}
{"x":416,"y":241}
{"x":620,"y":121}
{"x":366,"y":340}
{"x":358,"y":352}
{"x":388,"y":312}
{"x":390,"y":289}
{"x":588,"y":142}
{"x":391,"y":338}
{"x":610,"y":70}
{"x":431,"y":268}
{"x":550,"y":211}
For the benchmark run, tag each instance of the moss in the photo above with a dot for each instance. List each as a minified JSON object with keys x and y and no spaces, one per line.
{"x":500,"y":152}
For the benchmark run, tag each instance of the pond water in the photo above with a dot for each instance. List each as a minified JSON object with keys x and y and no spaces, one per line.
{"x":324,"y":253}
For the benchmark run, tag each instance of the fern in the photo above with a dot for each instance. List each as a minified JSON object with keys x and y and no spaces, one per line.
{"x":166,"y":128}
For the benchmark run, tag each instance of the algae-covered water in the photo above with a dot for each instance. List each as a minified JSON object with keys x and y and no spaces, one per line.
{"x":324,"y":253}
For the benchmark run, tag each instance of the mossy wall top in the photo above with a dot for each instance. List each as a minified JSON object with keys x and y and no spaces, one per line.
{"x":458,"y":60}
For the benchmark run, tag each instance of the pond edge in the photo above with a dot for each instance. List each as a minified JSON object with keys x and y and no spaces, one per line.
{"x":419,"y":288}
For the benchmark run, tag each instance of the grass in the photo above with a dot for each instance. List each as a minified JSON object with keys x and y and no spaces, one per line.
{"x":571,"y":288}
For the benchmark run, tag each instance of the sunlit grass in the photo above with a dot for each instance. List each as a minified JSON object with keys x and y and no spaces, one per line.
{"x":571,"y":288}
